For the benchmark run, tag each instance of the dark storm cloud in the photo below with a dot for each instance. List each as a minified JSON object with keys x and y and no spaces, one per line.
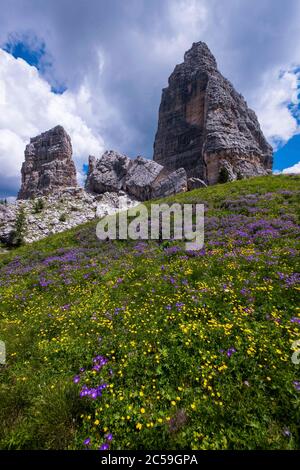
{"x":8,"y":185}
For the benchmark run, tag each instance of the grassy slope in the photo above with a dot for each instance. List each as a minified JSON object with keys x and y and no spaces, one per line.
{"x":198,"y":346}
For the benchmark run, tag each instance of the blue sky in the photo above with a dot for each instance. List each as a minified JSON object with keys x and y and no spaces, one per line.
{"x":287,"y":155}
{"x":19,"y":48}
{"x":33,"y":51}
{"x":99,"y":71}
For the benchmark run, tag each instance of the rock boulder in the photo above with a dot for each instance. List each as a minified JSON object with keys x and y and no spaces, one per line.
{"x":170,"y":183}
{"x":108,"y":173}
{"x":140,"y":178}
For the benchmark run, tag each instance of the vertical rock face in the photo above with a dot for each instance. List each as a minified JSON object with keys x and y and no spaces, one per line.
{"x":48,"y":164}
{"x":205,"y":125}
{"x":108,"y":173}
{"x":141,"y":178}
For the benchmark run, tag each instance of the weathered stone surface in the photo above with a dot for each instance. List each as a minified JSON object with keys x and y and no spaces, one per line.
{"x":140,"y":178}
{"x":110,"y":203}
{"x":48,"y":164}
{"x":108,"y":173}
{"x":204,"y":122}
{"x":7,"y":219}
{"x":169,"y":184}
{"x":195,"y":183}
{"x":92,"y":165}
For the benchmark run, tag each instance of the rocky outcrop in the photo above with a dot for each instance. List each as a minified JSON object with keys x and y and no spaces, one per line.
{"x":7,"y":222}
{"x":169,"y":183}
{"x":140,"y":178}
{"x":108,"y":173}
{"x":50,"y":200}
{"x":59,"y":211}
{"x":48,"y":164}
{"x":110,"y":203}
{"x":205,"y":125}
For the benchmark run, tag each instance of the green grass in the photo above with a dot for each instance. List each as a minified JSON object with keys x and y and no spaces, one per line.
{"x":198,"y":345}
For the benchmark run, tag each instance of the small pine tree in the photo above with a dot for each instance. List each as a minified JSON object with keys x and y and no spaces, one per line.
{"x":223,"y":175}
{"x":38,"y":206}
{"x":17,"y":235}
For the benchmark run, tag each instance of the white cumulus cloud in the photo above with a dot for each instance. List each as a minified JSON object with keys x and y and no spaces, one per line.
{"x":292,"y":169}
{"x":276,"y":104}
{"x":188,"y":21}
{"x":29,"y":107}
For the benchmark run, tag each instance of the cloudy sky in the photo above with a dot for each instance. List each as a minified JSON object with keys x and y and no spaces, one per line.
{"x":98,"y":66}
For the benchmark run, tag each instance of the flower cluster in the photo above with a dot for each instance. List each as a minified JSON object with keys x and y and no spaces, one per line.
{"x":93,"y":392}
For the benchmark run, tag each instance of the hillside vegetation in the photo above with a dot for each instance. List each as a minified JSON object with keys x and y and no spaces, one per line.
{"x":142,"y":345}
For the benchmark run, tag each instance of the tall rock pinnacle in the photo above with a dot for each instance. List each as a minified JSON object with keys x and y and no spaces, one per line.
{"x":48,"y":164}
{"x":205,"y":125}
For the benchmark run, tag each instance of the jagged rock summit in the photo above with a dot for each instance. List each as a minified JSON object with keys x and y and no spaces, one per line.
{"x":48,"y":164}
{"x":206,"y":126}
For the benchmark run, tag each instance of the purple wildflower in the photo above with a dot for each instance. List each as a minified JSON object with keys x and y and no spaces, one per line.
{"x":297,"y":385}
{"x":179,"y":305}
{"x":104,"y":447}
{"x":99,"y":362}
{"x":286,"y":432}
{"x":230,"y":351}
{"x":65,"y":307}
{"x":93,"y":392}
